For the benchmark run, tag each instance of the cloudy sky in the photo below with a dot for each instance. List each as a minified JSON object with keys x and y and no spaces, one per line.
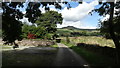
{"x":76,"y":16}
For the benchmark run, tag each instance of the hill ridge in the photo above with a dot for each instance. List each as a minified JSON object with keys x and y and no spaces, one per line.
{"x":74,"y":28}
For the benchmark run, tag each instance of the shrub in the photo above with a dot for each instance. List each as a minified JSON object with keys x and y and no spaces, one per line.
{"x":67,"y":39}
{"x":31,"y":36}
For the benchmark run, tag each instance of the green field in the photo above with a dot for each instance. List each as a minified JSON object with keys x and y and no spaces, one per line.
{"x":87,"y":36}
{"x":95,"y":58}
{"x":73,"y":32}
{"x":91,"y":40}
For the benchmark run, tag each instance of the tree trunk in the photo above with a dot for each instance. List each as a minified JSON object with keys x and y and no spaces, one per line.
{"x":112,"y":34}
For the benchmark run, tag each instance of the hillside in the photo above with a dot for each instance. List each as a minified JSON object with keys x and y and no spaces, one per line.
{"x":74,"y":28}
{"x":73,"y":31}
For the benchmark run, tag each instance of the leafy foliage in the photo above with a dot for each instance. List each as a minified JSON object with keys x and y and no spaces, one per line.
{"x":11,"y":27}
{"x":110,"y":28}
{"x":104,"y":28}
{"x":110,"y":25}
{"x":31,"y":36}
{"x":46,"y":26}
{"x":33,"y":11}
{"x":47,"y":23}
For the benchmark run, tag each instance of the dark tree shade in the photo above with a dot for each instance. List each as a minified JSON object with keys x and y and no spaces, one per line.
{"x":11,"y":27}
{"x":108,"y":8}
{"x":33,"y":11}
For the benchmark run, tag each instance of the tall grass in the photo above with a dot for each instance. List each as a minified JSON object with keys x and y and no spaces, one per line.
{"x":93,"y":58}
{"x":92,"y":40}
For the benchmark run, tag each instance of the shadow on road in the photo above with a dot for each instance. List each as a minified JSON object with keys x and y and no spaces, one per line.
{"x":43,"y":57}
{"x":32,"y":56}
{"x":40,"y":57}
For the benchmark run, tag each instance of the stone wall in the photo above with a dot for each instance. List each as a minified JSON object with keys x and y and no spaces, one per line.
{"x":35,"y":42}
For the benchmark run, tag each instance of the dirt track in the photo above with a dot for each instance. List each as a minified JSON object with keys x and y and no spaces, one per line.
{"x":67,"y":57}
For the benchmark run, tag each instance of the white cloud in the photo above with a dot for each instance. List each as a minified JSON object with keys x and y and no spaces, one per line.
{"x":73,"y":16}
{"x":69,"y":23}
{"x":78,"y":13}
{"x":24,"y":12}
{"x":52,"y":8}
{"x":88,"y":27}
{"x":105,"y":18}
{"x":77,"y":24}
{"x":25,"y":20}
{"x":42,"y":9}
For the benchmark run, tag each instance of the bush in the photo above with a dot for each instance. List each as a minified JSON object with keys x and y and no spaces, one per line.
{"x":67,"y":39}
{"x":58,"y":40}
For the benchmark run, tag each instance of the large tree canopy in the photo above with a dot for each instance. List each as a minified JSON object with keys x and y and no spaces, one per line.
{"x":46,"y":25}
{"x":12,"y":27}
{"x":112,"y":25}
{"x":104,"y":28}
{"x":48,"y":21}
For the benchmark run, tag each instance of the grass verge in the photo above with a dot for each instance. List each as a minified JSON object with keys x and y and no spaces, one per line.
{"x":94,"y":59}
{"x":6,"y":46}
{"x":54,"y":46}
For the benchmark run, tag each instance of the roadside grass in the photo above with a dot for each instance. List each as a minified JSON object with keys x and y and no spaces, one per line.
{"x":91,"y":40}
{"x":6,"y":46}
{"x":54,"y":45}
{"x":94,"y":59}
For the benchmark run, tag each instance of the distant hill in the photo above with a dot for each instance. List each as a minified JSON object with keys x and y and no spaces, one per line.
{"x":73,"y":31}
{"x":74,"y":28}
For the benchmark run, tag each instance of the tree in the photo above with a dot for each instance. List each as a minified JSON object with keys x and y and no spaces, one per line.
{"x":28,"y":29}
{"x":38,"y":31}
{"x":11,"y":26}
{"x":46,"y":26}
{"x":105,"y":31}
{"x":47,"y":23}
{"x":108,"y":8}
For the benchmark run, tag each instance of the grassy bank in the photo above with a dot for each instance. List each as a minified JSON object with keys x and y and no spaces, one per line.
{"x":91,"y":40}
{"x":94,"y":59}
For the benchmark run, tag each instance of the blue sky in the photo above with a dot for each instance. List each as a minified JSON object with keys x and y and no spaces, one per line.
{"x":90,"y":20}
{"x":77,"y":16}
